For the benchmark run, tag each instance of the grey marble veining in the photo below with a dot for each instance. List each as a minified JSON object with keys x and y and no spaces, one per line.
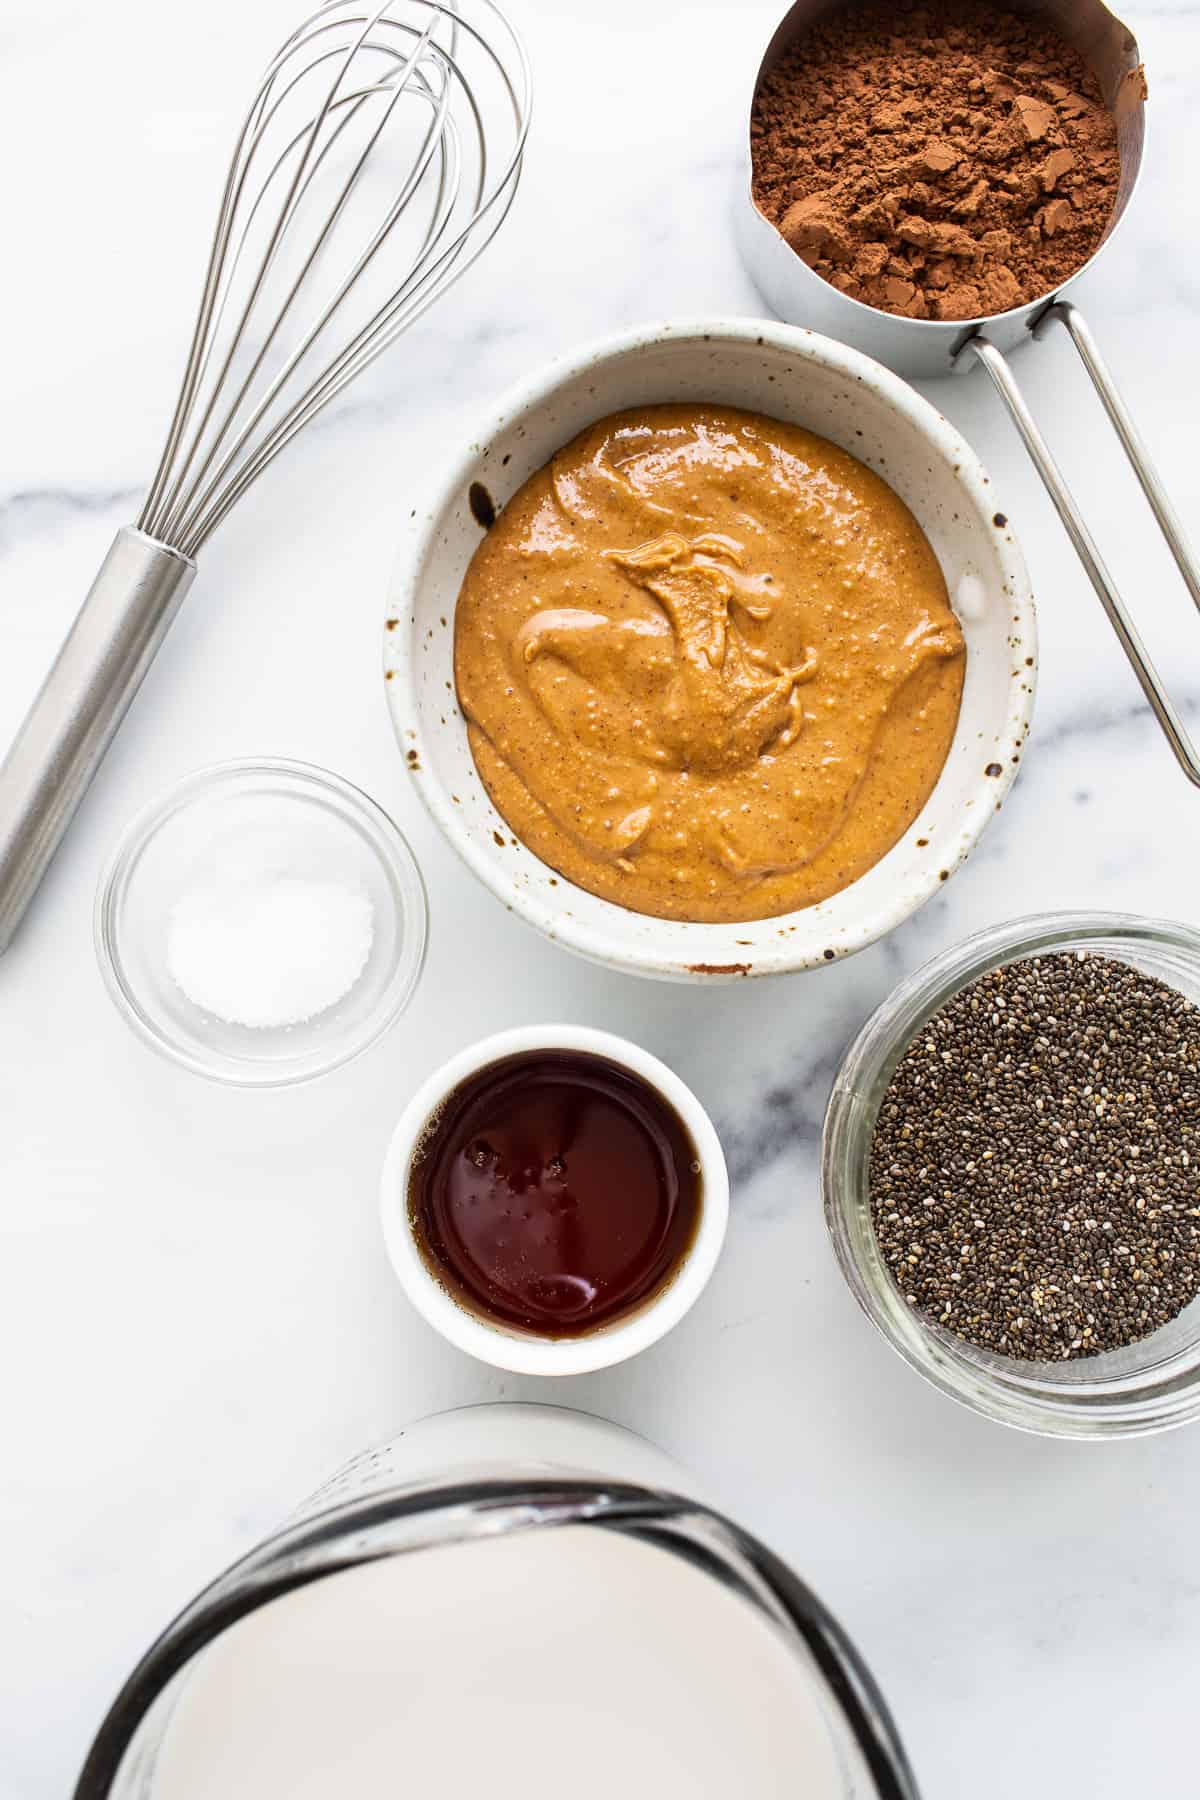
{"x":196,"y":1319}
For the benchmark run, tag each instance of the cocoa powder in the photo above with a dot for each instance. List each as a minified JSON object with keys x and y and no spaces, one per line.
{"x":936,"y":160}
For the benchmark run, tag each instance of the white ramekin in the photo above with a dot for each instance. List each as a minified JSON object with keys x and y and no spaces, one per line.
{"x":522,"y":1352}
{"x":792,"y":374}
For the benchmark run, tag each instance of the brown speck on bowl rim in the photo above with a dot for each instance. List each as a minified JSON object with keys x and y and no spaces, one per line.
{"x":483,"y":507}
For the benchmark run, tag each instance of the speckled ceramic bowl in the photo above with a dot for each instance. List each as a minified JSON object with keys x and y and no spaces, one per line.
{"x":792,"y":374}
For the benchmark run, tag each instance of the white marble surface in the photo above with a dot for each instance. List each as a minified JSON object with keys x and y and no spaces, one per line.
{"x":196,"y":1319}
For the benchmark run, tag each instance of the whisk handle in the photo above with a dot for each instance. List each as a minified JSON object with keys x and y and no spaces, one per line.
{"x":81,"y":703}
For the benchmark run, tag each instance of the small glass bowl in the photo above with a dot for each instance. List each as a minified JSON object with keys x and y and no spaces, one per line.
{"x":309,"y":821}
{"x":1148,"y":1386}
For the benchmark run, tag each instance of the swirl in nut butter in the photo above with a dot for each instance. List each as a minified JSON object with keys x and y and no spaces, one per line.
{"x":708,"y":663}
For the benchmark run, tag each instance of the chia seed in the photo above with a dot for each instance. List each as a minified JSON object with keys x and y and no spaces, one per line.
{"x":1035,"y":1168}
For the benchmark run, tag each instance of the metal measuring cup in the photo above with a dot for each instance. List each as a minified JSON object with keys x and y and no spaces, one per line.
{"x":927,"y":347}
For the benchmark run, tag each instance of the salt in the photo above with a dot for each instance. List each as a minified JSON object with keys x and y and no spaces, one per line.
{"x":268,"y":948}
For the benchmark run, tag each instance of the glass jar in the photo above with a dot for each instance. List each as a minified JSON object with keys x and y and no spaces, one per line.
{"x":1144,"y":1387}
{"x":470,"y":1478}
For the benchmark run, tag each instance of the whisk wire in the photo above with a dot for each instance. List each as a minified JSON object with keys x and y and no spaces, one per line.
{"x":201,"y":509}
{"x":280,"y":381}
{"x":233,"y":415}
{"x":260,"y":118}
{"x":338,"y":376}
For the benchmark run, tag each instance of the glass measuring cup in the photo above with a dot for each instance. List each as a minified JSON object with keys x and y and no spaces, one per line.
{"x":482,"y":1477}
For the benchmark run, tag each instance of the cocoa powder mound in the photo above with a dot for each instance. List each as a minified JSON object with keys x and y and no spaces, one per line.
{"x":940,"y":161}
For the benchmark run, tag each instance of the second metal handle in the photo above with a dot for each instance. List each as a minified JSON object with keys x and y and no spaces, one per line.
{"x":82,"y":701}
{"x":993,"y":361}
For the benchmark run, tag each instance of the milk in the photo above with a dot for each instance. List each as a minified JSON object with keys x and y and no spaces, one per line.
{"x":569,"y":1660}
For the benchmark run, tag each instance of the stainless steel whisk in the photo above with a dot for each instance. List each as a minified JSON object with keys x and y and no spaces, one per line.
{"x":377,"y":160}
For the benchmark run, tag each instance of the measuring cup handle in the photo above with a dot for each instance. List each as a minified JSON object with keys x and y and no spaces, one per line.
{"x":1064,"y":312}
{"x":1122,"y":623}
{"x":82,"y":701}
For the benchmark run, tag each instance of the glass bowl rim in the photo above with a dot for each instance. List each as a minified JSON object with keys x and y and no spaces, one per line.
{"x":1028,"y":1401}
{"x":394,"y":851}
